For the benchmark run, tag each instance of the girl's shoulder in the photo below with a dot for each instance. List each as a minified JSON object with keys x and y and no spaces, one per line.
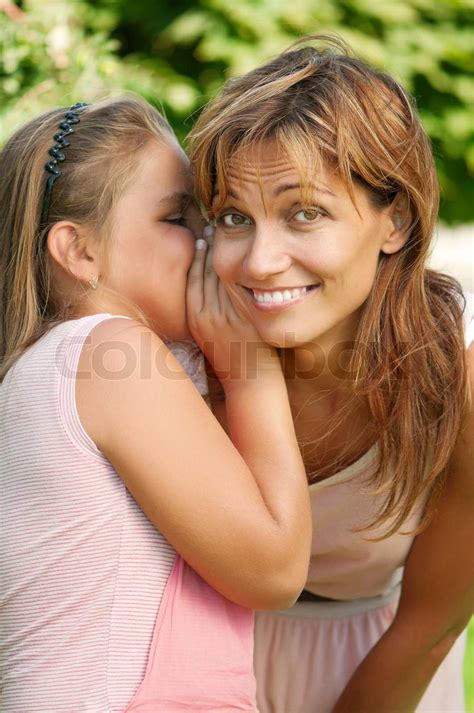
{"x":101,"y":325}
{"x":126,"y":336}
{"x":66,"y":337}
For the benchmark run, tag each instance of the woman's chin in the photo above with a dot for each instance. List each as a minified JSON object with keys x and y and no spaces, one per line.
{"x":283,"y":340}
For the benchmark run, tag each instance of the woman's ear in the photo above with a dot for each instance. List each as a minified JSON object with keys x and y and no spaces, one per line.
{"x":400,"y":217}
{"x":72,"y":248}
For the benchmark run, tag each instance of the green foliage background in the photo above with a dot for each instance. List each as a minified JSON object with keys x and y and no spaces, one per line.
{"x":178,"y":53}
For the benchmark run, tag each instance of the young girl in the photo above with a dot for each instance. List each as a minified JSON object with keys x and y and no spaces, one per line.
{"x":321,"y":183}
{"x":116,"y":479}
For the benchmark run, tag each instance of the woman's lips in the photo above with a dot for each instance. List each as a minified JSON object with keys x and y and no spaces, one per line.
{"x":278,"y":300}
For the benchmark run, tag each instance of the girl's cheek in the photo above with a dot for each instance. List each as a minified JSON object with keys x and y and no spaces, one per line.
{"x":190,"y":250}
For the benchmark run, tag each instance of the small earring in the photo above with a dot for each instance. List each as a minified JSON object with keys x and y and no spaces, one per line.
{"x":93,"y":282}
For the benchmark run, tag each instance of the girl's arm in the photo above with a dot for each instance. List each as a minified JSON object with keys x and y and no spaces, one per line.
{"x":216,"y":396}
{"x":239,"y":516}
{"x":437,"y":598}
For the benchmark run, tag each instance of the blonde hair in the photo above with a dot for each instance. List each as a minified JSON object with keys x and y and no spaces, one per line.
{"x":324,"y":106}
{"x":100,"y":161}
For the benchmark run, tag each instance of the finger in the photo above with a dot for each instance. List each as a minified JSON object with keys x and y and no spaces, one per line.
{"x":195,"y":282}
{"x":208,"y":234}
{"x":226,"y":303}
{"x":211,"y":282}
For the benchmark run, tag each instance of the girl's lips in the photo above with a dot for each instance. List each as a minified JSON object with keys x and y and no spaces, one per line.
{"x":278,"y":306}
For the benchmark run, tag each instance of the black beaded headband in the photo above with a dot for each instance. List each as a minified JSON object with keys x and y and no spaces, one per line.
{"x":70,"y":117}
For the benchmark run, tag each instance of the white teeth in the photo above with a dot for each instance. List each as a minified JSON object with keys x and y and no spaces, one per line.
{"x":278,"y":296}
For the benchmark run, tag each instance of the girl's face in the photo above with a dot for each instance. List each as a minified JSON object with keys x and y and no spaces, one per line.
{"x":302,"y":267}
{"x":152,"y":245}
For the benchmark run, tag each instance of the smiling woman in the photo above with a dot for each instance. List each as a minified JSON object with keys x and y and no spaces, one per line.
{"x":321,"y":183}
{"x":282,"y":247}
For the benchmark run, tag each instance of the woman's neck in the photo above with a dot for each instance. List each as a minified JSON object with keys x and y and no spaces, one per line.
{"x":333,"y":424}
{"x":324,"y":364}
{"x":316,"y":367}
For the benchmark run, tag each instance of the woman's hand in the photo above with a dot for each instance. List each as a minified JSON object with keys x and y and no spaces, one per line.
{"x":222,"y":329}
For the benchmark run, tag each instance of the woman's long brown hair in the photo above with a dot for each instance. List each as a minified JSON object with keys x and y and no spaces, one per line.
{"x":325,"y":106}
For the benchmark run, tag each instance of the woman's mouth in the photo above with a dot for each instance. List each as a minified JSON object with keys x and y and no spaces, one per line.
{"x":276,"y":300}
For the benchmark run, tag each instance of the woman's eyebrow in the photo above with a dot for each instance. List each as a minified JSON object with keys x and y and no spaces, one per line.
{"x":283,"y":188}
{"x":292,"y":186}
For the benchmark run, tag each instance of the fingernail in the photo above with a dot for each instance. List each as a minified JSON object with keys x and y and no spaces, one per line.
{"x":209,"y":231}
{"x":200,"y":244}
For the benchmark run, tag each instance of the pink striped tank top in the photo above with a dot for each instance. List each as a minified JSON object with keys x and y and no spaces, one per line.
{"x":97,"y":611}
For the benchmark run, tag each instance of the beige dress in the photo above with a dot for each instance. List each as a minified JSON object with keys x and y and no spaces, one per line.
{"x":305,"y":656}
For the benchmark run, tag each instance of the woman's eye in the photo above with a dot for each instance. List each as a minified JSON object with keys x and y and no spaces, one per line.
{"x":234,"y":220}
{"x":307,"y":215}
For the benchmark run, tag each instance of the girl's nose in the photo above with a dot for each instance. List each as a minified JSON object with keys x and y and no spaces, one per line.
{"x":266,"y":255}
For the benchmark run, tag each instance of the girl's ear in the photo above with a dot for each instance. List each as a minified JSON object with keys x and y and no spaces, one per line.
{"x":72,"y":248}
{"x":399,"y":213}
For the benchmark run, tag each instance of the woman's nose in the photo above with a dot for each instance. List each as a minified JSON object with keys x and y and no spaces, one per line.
{"x":266,"y":255}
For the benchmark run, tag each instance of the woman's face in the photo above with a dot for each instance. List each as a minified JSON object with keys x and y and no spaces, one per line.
{"x":302,"y":267}
{"x":152,"y":243}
